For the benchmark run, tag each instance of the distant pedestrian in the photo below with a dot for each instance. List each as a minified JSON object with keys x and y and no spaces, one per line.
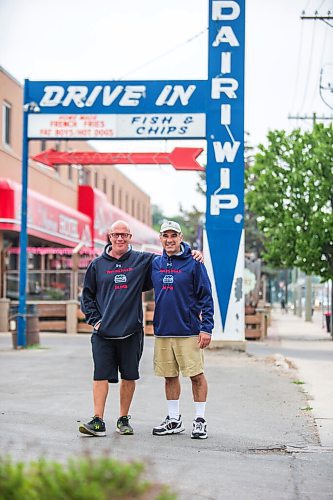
{"x":283,"y":306}
{"x":183,"y":323}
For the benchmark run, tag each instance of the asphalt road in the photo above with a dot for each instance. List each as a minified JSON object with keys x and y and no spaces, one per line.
{"x":262,"y":443}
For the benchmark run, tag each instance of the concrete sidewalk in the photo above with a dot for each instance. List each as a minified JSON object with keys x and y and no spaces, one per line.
{"x":310,"y":349}
{"x":261,"y":445}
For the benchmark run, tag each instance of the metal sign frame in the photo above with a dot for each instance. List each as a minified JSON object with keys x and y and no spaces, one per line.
{"x":211,"y":109}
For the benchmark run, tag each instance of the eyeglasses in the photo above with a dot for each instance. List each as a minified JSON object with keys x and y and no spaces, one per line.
{"x":120,"y":235}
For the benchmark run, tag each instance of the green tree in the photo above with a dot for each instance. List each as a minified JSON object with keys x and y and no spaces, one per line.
{"x":290,"y":189}
{"x":191,"y":222}
{"x":157,"y":217}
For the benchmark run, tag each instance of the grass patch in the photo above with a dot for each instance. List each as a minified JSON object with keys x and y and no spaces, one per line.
{"x":307,"y":408}
{"x":298,"y":382}
{"x":83,"y":478}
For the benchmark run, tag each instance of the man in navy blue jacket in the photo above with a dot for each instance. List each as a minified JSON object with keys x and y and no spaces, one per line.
{"x":183,"y":323}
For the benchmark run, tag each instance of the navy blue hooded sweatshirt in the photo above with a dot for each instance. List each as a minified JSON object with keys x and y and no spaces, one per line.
{"x":183,"y":296}
{"x":112,"y":292}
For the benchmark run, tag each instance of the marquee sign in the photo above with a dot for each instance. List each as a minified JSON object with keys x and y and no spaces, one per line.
{"x":118,"y":110}
{"x":211,"y":109}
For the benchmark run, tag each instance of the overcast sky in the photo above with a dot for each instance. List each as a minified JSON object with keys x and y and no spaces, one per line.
{"x":159,"y":39}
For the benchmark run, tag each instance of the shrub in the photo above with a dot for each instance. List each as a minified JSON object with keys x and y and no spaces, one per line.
{"x":83,"y":478}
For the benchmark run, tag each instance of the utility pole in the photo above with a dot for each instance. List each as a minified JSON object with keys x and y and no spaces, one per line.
{"x":317,"y":17}
{"x":314,"y":118}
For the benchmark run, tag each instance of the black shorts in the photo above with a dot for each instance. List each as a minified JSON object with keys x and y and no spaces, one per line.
{"x":117,"y":355}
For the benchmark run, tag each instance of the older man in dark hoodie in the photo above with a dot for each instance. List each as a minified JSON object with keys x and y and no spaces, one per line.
{"x":112,"y":303}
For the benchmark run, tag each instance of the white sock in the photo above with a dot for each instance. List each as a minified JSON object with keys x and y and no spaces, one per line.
{"x":200,"y":408}
{"x":173,"y":408}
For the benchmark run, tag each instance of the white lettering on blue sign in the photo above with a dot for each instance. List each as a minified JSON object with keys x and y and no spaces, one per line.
{"x":225,"y":164}
{"x":226,"y":35}
{"x":224,"y":86}
{"x":225,"y":63}
{"x":220,"y":201}
{"x":125,"y":95}
{"x":217,"y":10}
{"x":228,"y":86}
{"x":170,"y":94}
{"x":226,"y":151}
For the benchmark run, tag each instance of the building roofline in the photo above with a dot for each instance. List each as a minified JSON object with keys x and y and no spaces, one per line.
{"x":5,"y":72}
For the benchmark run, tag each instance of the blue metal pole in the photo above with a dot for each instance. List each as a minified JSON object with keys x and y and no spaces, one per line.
{"x":21,"y":330}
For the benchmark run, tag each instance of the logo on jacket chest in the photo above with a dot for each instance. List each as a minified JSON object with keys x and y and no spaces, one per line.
{"x":168,"y":281}
{"x":120,"y":281}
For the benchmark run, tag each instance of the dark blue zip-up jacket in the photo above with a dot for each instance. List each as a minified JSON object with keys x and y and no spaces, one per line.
{"x":112,"y":292}
{"x":183,"y":296}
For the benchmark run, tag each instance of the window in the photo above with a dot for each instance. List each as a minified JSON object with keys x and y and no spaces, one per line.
{"x":96,"y":179}
{"x":126,"y":203}
{"x":133,"y":207}
{"x":120,"y":196}
{"x":70,"y":172}
{"x":43,"y":145}
{"x":112,"y":193}
{"x":7,"y":118}
{"x":84,"y":176}
{"x":104,"y":185}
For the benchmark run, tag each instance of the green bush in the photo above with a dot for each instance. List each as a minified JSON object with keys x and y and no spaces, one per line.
{"x":83,"y":478}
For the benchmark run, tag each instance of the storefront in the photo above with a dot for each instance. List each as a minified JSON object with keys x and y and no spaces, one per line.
{"x":62,"y":241}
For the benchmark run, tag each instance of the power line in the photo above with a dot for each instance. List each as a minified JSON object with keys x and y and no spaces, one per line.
{"x":165,"y":53}
{"x":298,"y":63}
{"x":321,"y":88}
{"x":316,"y":88}
{"x":309,"y":65}
{"x":320,"y":6}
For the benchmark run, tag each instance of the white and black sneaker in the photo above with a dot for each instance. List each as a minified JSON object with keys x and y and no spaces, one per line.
{"x":199,"y":430}
{"x":169,"y":426}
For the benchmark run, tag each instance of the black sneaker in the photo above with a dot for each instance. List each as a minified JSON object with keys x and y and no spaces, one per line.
{"x":96,"y":427}
{"x":199,"y":430}
{"x":123,"y":425}
{"x":169,"y":426}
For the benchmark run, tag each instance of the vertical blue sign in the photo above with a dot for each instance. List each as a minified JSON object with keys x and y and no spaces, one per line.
{"x":224,"y":239}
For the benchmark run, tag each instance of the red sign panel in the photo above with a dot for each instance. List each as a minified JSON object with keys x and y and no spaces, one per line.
{"x":93,"y":203}
{"x":47,"y":219}
{"x":179,"y":158}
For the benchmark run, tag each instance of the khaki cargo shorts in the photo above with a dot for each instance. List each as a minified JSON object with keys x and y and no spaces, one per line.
{"x":172,"y":355}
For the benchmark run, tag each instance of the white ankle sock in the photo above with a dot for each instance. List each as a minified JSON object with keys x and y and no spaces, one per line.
{"x":200,"y":408}
{"x":173,"y":408}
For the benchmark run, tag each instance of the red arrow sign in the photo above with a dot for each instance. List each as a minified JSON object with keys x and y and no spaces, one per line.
{"x":179,"y":158}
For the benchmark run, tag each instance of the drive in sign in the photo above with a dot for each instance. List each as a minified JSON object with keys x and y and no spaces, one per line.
{"x":123,"y":110}
{"x":212,"y":109}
